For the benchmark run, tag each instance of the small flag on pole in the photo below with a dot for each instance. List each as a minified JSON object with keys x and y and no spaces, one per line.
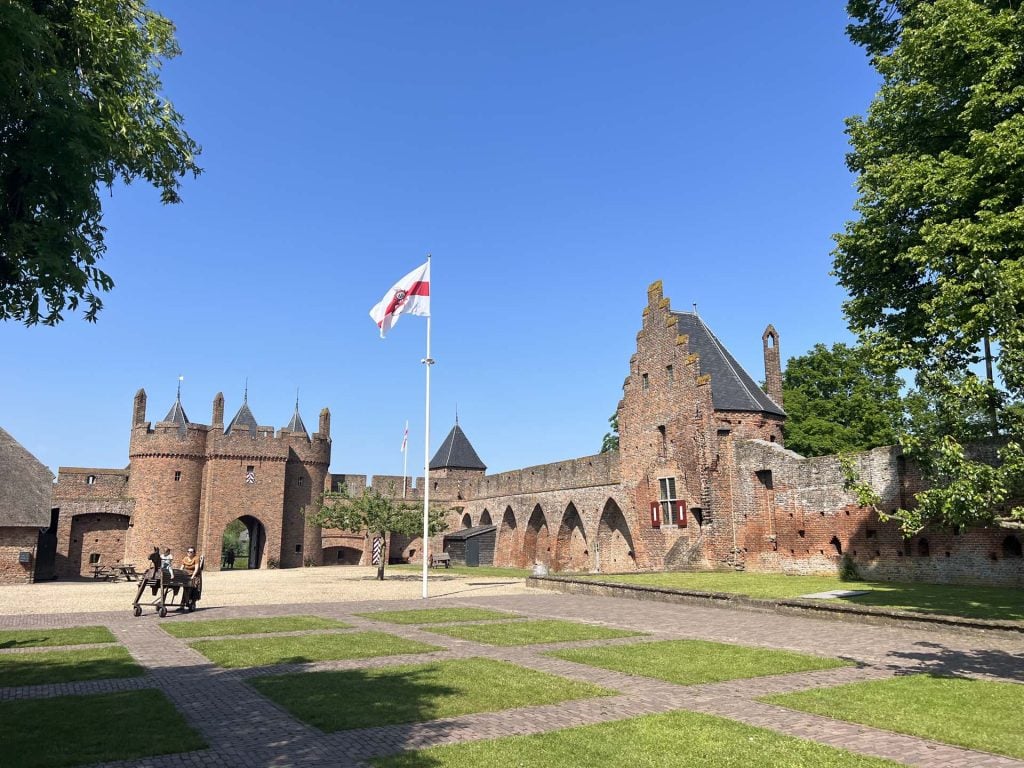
{"x":410,"y":295}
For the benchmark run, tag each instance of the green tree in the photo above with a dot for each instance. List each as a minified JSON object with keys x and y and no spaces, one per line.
{"x":80,"y":108}
{"x":377,"y":513}
{"x":611,"y":439}
{"x":933,"y":264}
{"x":839,"y":400}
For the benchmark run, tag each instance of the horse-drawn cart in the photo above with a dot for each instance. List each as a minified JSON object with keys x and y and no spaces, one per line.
{"x":167,"y":591}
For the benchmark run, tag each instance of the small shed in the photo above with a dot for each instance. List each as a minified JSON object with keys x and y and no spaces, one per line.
{"x":472,"y":546}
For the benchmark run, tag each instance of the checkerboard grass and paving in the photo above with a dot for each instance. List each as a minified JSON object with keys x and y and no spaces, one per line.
{"x":48,"y":667}
{"x":343,"y":700}
{"x":78,"y":730}
{"x":438,"y":615}
{"x":674,"y":740}
{"x":28,"y":638}
{"x":303,"y":649}
{"x":951,"y":600}
{"x":220,"y":627}
{"x":531,"y":632}
{"x":977,"y":714}
{"x":694,"y":662}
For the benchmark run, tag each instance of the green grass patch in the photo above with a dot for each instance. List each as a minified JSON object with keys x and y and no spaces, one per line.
{"x":45,"y":667}
{"x":531,"y":632}
{"x":693,"y":662}
{"x":438,"y":615}
{"x":487,"y":571}
{"x":215,"y":627}
{"x":27,"y":638}
{"x":265,"y":651}
{"x":343,"y":700}
{"x":977,"y":714}
{"x":77,"y":730}
{"x":673,"y":740}
{"x":952,"y":600}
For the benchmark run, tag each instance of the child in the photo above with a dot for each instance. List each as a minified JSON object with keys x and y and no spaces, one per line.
{"x":166,"y":563}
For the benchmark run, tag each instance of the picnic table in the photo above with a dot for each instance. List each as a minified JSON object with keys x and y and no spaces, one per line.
{"x":115,"y":572}
{"x":127,"y":570}
{"x":437,"y":559}
{"x":103,"y":572}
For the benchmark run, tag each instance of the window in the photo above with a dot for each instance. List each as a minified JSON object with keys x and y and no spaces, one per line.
{"x":664,"y":440}
{"x":300,"y":479}
{"x":177,"y":475}
{"x":670,"y":512}
{"x":90,"y":480}
{"x":94,"y":558}
{"x":671,"y":374}
{"x":644,"y":383}
{"x":298,"y":549}
{"x":764,"y":476}
{"x":250,"y":474}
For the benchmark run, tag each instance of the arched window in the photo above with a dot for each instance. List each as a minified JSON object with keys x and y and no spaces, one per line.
{"x":836,"y":545}
{"x":923,"y":549}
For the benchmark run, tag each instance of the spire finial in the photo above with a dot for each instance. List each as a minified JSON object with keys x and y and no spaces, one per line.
{"x":695,"y":307}
{"x":180,"y":379}
{"x":245,"y":396}
{"x":456,"y":414}
{"x":296,"y":399}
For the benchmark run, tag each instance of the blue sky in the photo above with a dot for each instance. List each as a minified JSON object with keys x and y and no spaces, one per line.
{"x":555,"y":158}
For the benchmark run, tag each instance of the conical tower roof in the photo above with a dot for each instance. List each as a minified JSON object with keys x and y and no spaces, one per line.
{"x":296,"y":425}
{"x":243,"y":420}
{"x":177,"y":413}
{"x":456,"y":452}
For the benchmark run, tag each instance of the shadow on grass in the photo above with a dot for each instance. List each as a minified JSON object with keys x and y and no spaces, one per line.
{"x":945,"y":599}
{"x":936,"y":659}
{"x":49,"y":667}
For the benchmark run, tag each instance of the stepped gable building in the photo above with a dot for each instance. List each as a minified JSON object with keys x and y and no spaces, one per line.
{"x":701,"y":480}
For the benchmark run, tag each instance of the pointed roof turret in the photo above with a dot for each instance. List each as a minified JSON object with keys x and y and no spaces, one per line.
{"x":456,"y":452}
{"x":177,"y":414}
{"x":243,"y":420}
{"x":296,"y":425}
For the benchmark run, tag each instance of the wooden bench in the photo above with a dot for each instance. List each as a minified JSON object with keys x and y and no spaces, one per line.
{"x":443,"y":557}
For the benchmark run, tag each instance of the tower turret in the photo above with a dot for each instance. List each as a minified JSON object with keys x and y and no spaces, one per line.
{"x":772,"y":365}
{"x":218,"y":409}
{"x":139,"y":411}
{"x":325,"y":423}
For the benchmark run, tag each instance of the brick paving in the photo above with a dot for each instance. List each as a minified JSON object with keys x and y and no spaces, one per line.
{"x":244,"y":729}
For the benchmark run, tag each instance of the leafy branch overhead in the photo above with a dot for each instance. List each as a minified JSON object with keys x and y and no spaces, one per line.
{"x":80,"y":109}
{"x":934,"y":262}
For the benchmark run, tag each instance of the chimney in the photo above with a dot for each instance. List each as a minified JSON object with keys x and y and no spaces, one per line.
{"x":772,"y":366}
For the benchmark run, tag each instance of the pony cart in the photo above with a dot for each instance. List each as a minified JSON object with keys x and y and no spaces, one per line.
{"x":166,"y":591}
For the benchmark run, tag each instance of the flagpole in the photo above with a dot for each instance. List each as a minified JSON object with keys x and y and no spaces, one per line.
{"x":405,"y":460}
{"x":427,"y":361}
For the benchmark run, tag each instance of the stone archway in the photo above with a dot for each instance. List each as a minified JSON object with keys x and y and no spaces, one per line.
{"x":245,"y":548}
{"x":537,"y":539}
{"x":508,"y":552}
{"x":615,"y":550}
{"x":467,"y":521}
{"x":571,"y":550}
{"x":485,"y":518}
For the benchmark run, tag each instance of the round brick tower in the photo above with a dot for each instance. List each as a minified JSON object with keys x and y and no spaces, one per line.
{"x":166,"y":481}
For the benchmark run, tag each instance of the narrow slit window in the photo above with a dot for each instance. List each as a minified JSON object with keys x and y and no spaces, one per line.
{"x":177,"y":475}
{"x":644,"y":382}
{"x":670,"y":373}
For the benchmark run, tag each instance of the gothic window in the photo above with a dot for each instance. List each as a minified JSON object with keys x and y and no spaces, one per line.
{"x":667,"y":488}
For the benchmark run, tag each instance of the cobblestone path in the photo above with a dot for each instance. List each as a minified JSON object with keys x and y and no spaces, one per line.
{"x":244,"y":729}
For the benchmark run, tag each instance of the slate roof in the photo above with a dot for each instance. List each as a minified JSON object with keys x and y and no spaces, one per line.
{"x":296,"y":425}
{"x":456,"y":452}
{"x":732,"y":388}
{"x":244,"y":420}
{"x":468,"y":533}
{"x":25,"y":486}
{"x":177,"y":414}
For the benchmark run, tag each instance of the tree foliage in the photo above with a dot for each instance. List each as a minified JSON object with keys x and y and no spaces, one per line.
{"x":611,"y":439}
{"x":376,"y":513}
{"x":839,"y":400}
{"x":80,"y":108}
{"x":933,"y":264}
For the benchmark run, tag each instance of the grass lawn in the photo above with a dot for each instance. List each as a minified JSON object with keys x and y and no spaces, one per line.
{"x":25,"y":638}
{"x":531,"y":632}
{"x":438,"y":615}
{"x":265,"y":651}
{"x":343,"y":700}
{"x":214,"y":627}
{"x":692,"y":662}
{"x":46,"y":667}
{"x":673,"y":740}
{"x":977,"y":714}
{"x":968,"y":601}
{"x":76,"y":730}
{"x":465,"y":570}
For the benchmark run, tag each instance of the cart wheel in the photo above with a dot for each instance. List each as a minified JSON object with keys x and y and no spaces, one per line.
{"x":163,"y":612}
{"x":138,"y":610}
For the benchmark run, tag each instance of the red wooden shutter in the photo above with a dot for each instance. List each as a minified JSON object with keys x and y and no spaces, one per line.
{"x":681,"y":513}
{"x":655,"y":515}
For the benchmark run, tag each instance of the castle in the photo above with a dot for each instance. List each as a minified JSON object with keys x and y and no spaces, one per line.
{"x":701,"y":480}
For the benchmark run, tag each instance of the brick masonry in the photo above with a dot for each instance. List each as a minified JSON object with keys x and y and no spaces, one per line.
{"x":749,"y":503}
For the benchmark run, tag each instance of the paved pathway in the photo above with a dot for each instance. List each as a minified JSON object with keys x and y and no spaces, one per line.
{"x":244,"y":729}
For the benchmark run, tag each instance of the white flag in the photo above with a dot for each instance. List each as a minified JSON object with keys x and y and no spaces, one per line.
{"x":409,"y":295}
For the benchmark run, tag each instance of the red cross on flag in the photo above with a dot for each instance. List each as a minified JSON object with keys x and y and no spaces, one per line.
{"x":410,"y":295}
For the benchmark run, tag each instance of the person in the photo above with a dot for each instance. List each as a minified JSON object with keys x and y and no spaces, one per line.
{"x":167,"y":563}
{"x":231,"y":558}
{"x":190,"y":562}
